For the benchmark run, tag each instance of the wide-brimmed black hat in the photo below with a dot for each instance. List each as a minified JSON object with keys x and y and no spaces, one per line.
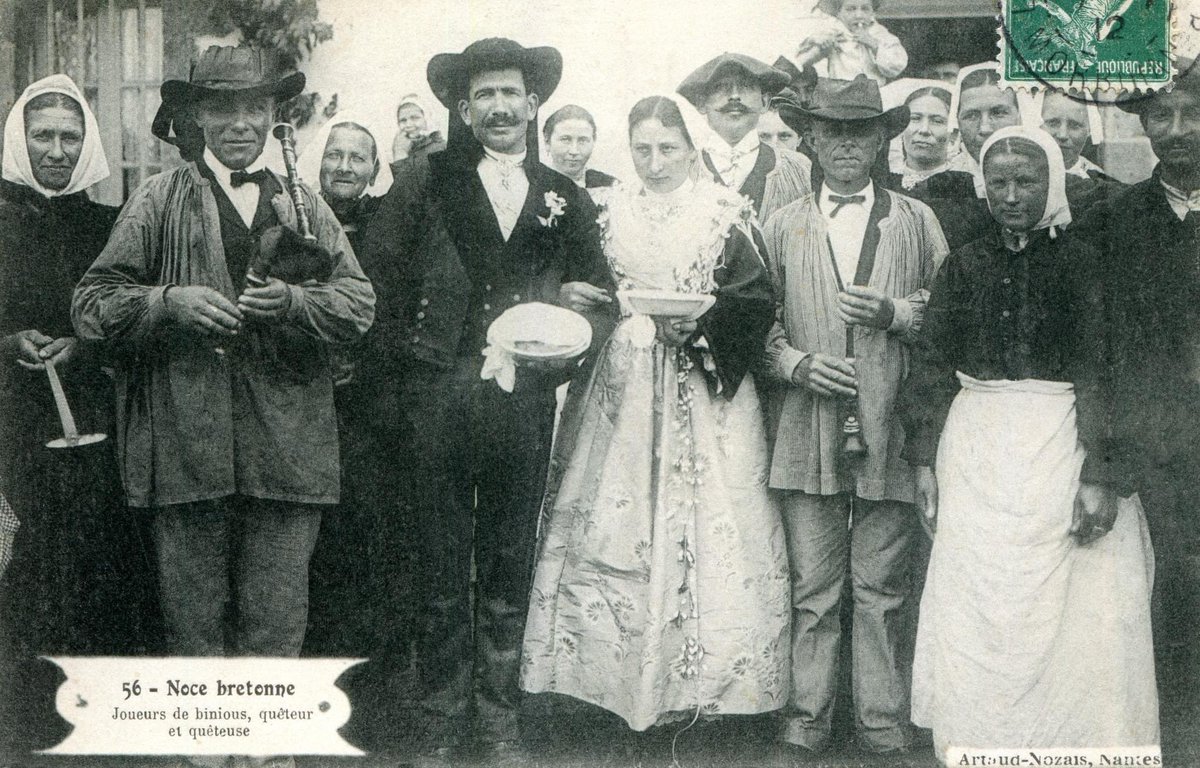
{"x":845,"y":101}
{"x":1188,"y":79}
{"x":227,"y":69}
{"x":695,"y":86}
{"x":449,"y":73}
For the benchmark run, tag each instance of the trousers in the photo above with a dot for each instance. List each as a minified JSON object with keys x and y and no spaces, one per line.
{"x":479,"y":469}
{"x":877,"y":544}
{"x":233,"y":575}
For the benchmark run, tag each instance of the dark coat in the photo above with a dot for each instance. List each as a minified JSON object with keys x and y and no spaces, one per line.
{"x":1151,"y":267}
{"x":593,"y":179}
{"x":444,"y":272}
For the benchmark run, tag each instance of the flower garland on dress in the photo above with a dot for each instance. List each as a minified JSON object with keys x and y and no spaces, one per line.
{"x":669,"y":228}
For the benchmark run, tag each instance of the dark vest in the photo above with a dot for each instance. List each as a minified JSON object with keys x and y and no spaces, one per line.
{"x":281,"y":351}
{"x":239,"y":241}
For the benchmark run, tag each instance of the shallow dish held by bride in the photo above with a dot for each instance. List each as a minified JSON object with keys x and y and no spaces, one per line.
{"x":682,"y":306}
{"x":538,"y":331}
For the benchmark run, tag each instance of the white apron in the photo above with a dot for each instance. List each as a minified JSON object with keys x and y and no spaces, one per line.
{"x":1027,"y":639}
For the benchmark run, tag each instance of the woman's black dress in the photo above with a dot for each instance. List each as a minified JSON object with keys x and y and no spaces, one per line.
{"x":81,"y":579}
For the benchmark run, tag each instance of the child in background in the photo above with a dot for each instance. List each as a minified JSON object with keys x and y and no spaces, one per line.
{"x":851,"y":43}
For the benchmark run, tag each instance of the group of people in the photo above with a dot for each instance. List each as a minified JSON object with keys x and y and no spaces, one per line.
{"x":932,"y":319}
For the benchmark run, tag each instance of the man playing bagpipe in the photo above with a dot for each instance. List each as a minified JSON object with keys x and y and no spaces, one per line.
{"x":222,"y":317}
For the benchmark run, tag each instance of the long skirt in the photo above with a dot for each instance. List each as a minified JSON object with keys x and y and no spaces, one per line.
{"x":1027,"y":639}
{"x":661,"y":587}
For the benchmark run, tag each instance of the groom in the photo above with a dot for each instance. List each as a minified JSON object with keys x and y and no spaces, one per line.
{"x":468,"y":233}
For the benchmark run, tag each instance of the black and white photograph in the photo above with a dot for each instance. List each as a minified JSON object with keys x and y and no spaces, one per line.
{"x":593,"y":384}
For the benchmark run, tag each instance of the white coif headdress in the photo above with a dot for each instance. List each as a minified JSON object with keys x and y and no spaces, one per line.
{"x":1057,"y":212}
{"x":92,"y":165}
{"x":308,"y":165}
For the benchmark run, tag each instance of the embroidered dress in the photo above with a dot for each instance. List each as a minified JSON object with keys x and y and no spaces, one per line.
{"x":661,"y":587}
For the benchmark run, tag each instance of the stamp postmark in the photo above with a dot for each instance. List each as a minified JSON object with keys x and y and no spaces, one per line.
{"x":1093,"y":45}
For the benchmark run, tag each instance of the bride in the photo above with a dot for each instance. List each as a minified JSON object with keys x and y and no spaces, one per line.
{"x":661,"y":585}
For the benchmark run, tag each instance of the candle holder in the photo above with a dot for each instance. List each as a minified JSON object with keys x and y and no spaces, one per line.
{"x":71,"y":437}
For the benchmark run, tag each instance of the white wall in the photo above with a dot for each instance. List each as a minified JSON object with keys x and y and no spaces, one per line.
{"x":615,"y":51}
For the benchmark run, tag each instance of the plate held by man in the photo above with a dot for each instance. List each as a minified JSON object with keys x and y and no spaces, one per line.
{"x":532,"y":333}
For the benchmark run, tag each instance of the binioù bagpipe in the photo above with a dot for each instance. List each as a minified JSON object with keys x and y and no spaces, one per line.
{"x":282,"y":349}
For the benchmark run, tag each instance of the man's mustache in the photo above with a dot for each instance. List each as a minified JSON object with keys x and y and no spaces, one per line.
{"x":734,"y":106}
{"x":501,"y":121}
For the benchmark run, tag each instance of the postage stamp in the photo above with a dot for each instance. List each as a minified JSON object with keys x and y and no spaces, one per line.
{"x":1096,"y":45}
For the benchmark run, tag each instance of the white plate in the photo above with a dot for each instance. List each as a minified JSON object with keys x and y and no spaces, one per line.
{"x":536,"y":331}
{"x":547,"y":353}
{"x":684,"y":306}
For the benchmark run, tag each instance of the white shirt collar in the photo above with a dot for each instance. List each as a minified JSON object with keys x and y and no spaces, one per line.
{"x":505,"y":159}
{"x":1181,"y":202}
{"x":223,"y":172}
{"x":747,"y":145}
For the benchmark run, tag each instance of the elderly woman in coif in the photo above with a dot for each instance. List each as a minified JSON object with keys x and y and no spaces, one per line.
{"x":74,"y":586}
{"x":344,"y":162}
{"x":1038,"y":588}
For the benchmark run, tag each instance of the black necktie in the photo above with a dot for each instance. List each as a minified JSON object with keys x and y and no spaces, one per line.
{"x":238,"y":178}
{"x":842,"y":202}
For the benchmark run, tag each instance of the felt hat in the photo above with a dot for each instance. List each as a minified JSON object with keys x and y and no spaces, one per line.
{"x":227,"y":69}
{"x":695,"y":86}
{"x":845,"y":101}
{"x":449,"y":73}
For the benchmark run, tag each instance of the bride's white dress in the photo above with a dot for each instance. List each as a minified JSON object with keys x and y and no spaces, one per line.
{"x":661,"y":586}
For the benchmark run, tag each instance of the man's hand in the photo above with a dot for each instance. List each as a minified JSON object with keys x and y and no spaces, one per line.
{"x":826,"y":375}
{"x":1094,"y":513}
{"x":60,"y":352}
{"x":674,"y":333}
{"x":26,"y":347}
{"x":266,"y":301}
{"x":861,"y":305}
{"x":203,"y":310}
{"x":581,"y":297}
{"x":927,"y":499}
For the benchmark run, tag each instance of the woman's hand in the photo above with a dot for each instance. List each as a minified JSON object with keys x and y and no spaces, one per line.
{"x":674,"y":333}
{"x":927,"y":499}
{"x":60,"y":352}
{"x":1094,"y":513}
{"x":581,"y":296}
{"x":26,"y":347}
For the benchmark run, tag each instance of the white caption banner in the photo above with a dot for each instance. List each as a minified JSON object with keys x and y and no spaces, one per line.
{"x":203,"y":706}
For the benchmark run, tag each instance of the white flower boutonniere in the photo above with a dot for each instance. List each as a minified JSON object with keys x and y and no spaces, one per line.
{"x":555,"y":206}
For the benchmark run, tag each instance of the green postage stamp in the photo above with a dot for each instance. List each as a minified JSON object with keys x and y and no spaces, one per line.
{"x":1086,"y":44}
